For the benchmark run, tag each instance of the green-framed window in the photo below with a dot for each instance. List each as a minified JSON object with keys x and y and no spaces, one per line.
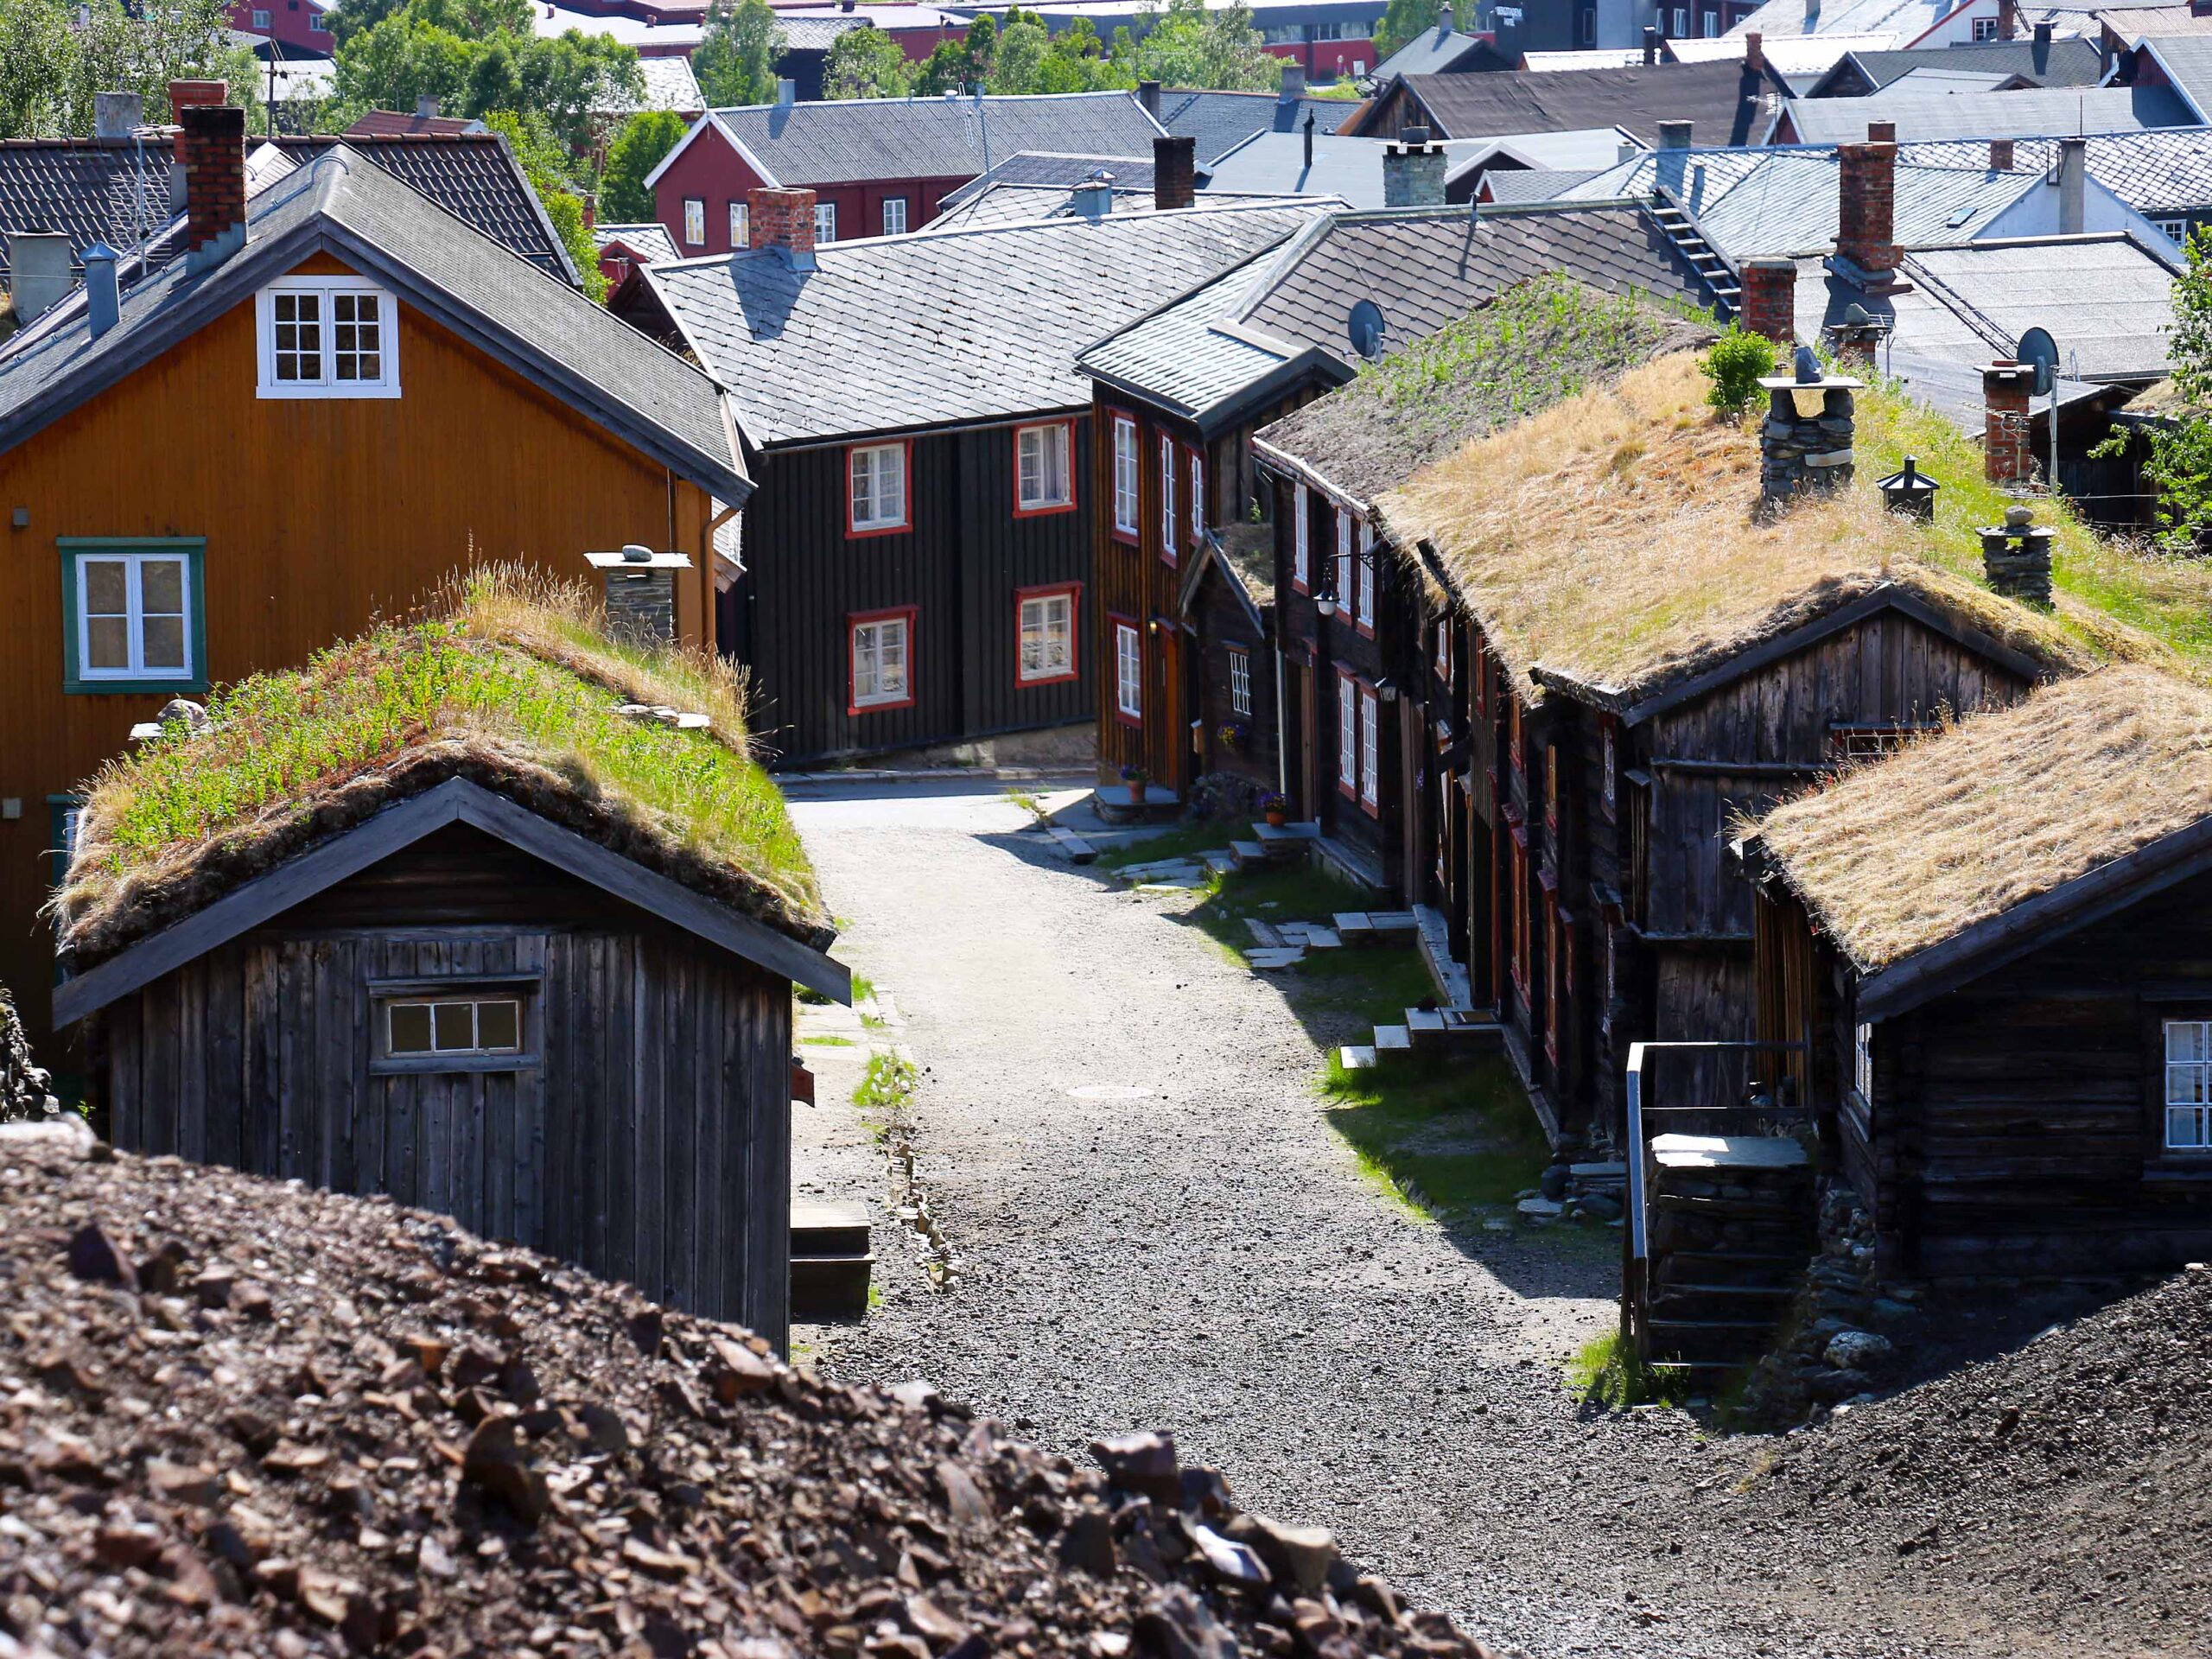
{"x":134,"y":613}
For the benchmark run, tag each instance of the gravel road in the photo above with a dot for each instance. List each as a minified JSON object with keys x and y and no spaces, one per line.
{"x":1118,"y":1132}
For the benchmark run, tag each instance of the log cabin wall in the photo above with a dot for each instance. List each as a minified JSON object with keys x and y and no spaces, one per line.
{"x":1225,"y":634}
{"x":1138,"y":580}
{"x":646,"y":1137}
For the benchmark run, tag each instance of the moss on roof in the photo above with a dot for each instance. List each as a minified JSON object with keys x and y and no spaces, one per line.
{"x":511,"y":684}
{"x":1963,"y":824}
{"x":1537,"y":343}
{"x":1248,"y":550}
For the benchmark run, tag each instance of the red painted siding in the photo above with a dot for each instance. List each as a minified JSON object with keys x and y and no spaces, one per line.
{"x":713,"y":172}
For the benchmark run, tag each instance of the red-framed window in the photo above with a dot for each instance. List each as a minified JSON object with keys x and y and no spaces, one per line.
{"x":1044,"y":468}
{"x":1519,"y":894}
{"x":879,"y":660}
{"x":1169,"y":527}
{"x":879,"y":492}
{"x":1343,"y":578}
{"x":1044,"y":621}
{"x":1370,"y":750}
{"x":1347,"y":735}
{"x":1301,"y":545}
{"x":1364,"y":610}
{"x":1128,"y":472}
{"x":1128,"y":670}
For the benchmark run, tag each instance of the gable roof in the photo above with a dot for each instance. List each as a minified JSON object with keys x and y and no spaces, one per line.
{"x":2046,"y":63}
{"x":650,"y":242}
{"x":1723,"y":101}
{"x":1797,"y":56}
{"x":1437,"y":50}
{"x":847,"y":348}
{"x":1217,"y":121}
{"x":670,"y":85}
{"x":1904,"y":22}
{"x":1209,"y":353}
{"x":1275,"y":163}
{"x":540,"y":327}
{"x":1920,"y":114}
{"x":1056,"y":169}
{"x":402,"y":123}
{"x":2084,"y":791}
{"x":1243,"y":556}
{"x":2165,"y":170}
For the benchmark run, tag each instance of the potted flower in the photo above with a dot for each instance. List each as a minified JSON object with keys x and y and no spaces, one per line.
{"x":1232,"y":735}
{"x":1274,"y":809}
{"x":1136,"y":778}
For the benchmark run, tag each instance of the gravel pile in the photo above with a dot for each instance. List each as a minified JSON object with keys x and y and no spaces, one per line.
{"x":244,"y":1418}
{"x":23,"y":1083}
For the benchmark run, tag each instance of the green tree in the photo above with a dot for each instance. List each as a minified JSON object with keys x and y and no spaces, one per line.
{"x":1188,"y":44}
{"x":1402,"y":20}
{"x":738,"y":52}
{"x":960,"y":65}
{"x":2179,"y":464}
{"x":1030,"y":60}
{"x":551,"y":168}
{"x":865,"y":63}
{"x":52,"y":61}
{"x":636,"y":150}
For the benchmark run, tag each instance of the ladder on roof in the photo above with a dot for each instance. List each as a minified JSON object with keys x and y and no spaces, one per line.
{"x":1681,"y":228}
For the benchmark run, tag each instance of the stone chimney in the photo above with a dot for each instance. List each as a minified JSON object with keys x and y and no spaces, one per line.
{"x":1866,"y":211}
{"x":1148,"y":96}
{"x":2006,"y":454}
{"x":1174,"y":171}
{"x":211,"y":146}
{"x":1755,"y":52}
{"x":425,"y":106}
{"x":783,"y":219}
{"x":116,"y":116}
{"x":2000,"y":155}
{"x":1650,"y":45}
{"x":2016,"y":557}
{"x":1806,"y":440}
{"x":2008,"y":20}
{"x":2073,"y":184}
{"x":1771,"y":300}
{"x":1676,"y":135}
{"x":1293,"y":83}
{"x":1413,"y":171}
{"x":640,"y":593}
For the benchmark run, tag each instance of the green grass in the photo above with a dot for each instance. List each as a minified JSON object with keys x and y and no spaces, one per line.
{"x":1448,"y":1138}
{"x":1182,"y":840}
{"x":1604,"y":1372}
{"x":826,"y":1042}
{"x":886,"y":1085}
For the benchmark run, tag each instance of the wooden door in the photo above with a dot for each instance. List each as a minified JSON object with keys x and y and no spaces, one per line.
{"x":1415,"y":856}
{"x":1170,"y":735}
{"x":1309,"y":744}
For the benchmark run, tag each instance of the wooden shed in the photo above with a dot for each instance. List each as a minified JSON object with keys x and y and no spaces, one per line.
{"x":1993,"y":945}
{"x":528,"y":962}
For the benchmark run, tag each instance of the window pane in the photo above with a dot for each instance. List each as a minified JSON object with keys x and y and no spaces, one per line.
{"x":161,"y":587}
{"x":891,"y":492}
{"x":2185,"y":1038}
{"x":107,"y":642}
{"x":410,"y":1027}
{"x":164,"y":642}
{"x":2185,"y":1126}
{"x":453,"y":1025}
{"x":498,"y":1025}
{"x":107,"y":587}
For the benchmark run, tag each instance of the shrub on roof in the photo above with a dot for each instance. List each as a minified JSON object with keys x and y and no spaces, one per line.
{"x":1735,"y":366}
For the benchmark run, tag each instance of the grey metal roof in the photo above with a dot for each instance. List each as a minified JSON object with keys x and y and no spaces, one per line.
{"x":2187,"y":60}
{"x":2052,"y":63}
{"x":852,"y":347}
{"x":539,"y":326}
{"x":839,"y":141}
{"x":1434,"y":51}
{"x":1903,"y":21}
{"x":1274,"y":164}
{"x":1217,"y":121}
{"x":2167,"y":170}
{"x":1724,"y":102}
{"x":650,"y":242}
{"x":1511,"y":186}
{"x":2033,"y":111}
{"x":1058,"y":169}
{"x":1421,"y":267}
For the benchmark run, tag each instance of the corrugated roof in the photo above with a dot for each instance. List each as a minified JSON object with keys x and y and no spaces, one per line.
{"x":1722,"y":100}
{"x":848,"y":348}
{"x":839,"y":141}
{"x":2034,"y":112}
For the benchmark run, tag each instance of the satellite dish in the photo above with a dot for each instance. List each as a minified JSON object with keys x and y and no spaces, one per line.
{"x":1366,"y":329}
{"x":2039,"y":351}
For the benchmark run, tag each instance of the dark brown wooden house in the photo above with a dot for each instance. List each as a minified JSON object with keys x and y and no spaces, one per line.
{"x":1994,"y":946}
{"x":560,"y":1013}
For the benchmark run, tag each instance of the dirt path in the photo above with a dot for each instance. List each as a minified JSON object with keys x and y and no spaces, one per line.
{"x":1118,"y":1129}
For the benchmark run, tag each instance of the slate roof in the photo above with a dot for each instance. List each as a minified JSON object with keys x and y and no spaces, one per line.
{"x":2133,"y":22}
{"x":1923,"y":116}
{"x":649,"y":242}
{"x":2166,"y":170}
{"x":1903,"y":20}
{"x":1055,"y":170}
{"x":846,"y":349}
{"x":2056,"y":63}
{"x":1434,"y":51}
{"x":1206,"y":353}
{"x":2187,"y":60}
{"x":1794,"y":55}
{"x":1218,"y":122}
{"x":817,"y":33}
{"x":1511,"y":186}
{"x":541,"y":326}
{"x":670,"y":85}
{"x":404,"y":123}
{"x":1274,"y":164}
{"x":837,"y":141}
{"x":1721,"y":100}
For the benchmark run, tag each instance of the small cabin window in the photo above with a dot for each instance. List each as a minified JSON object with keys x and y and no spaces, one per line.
{"x":2189,"y":1085}
{"x":1044,"y":480}
{"x":894,"y":215}
{"x":1371,"y":749}
{"x":1046,"y":623}
{"x":1239,"y":682}
{"x":132,"y":614}
{"x":1301,"y":546}
{"x":1125,"y":475}
{"x":881,"y":668}
{"x":1129,"y":673}
{"x":1344,"y":577}
{"x":1347,"y":733}
{"x":694,"y":221}
{"x":876,"y":474}
{"x":327,"y":337}
{"x":452,"y":1026}
{"x":1197,"y":497}
{"x":1167,"y":497}
{"x":1862,"y":1062}
{"x":825,"y":222}
{"x":741,"y":226}
{"x":1364,"y":613}
{"x":1851,"y":745}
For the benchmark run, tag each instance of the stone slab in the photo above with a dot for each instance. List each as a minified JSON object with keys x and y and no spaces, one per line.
{"x":1727,"y":1151}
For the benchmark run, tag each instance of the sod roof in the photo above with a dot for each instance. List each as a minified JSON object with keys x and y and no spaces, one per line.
{"x":1995,"y":810}
{"x":510,"y":685}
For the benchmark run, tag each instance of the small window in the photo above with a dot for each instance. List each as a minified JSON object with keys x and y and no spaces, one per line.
{"x":1443,"y":658}
{"x":882,"y":661}
{"x":1370,"y":748}
{"x":1197,"y":497}
{"x":2189,"y":1085}
{"x":1712,"y":24}
{"x":1347,"y":733}
{"x":453,"y":1026}
{"x":1344,"y":576}
{"x":741,"y":224}
{"x":1044,"y":480}
{"x":1239,"y":682}
{"x":318,"y":24}
{"x":1046,"y":623}
{"x":1126,"y":503}
{"x":1862,"y":1062}
{"x":894,"y":215}
{"x":1364,"y":612}
{"x":1985,"y":28}
{"x":825,"y":221}
{"x":877,"y":502}
{"x":2176,"y":230}
{"x":1681,"y":22}
{"x":132,"y":614}
{"x":1129,"y":671}
{"x":695,"y":222}
{"x":260,"y":18}
{"x":1167,"y":497}
{"x":1301,"y":547}
{"x":326,"y":337}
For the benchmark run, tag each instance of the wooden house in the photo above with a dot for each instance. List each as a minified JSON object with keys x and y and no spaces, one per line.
{"x":511,"y":964}
{"x":336,"y":394}
{"x":918,"y":557}
{"x":1179,"y":396}
{"x":1732,"y":101}
{"x":1992,"y":945}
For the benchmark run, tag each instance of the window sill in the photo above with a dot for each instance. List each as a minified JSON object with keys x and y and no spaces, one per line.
{"x":858,"y":708}
{"x":289,"y":394}
{"x":862,"y":533}
{"x":80,"y":688}
{"x":1024,"y":681}
{"x":395,"y":1065}
{"x":1045,"y":510}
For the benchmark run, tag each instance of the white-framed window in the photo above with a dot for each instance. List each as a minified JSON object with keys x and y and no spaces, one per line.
{"x":1344,"y":561}
{"x":327,"y":337}
{"x":453,"y":1026}
{"x":1443,"y":657}
{"x":694,"y":221}
{"x":1301,"y":546}
{"x":132,"y":614}
{"x":894,"y":215}
{"x":1370,"y":747}
{"x":1126,"y":503}
{"x":1862,"y":1062}
{"x":2177,"y":230}
{"x":1347,"y":733}
{"x":1240,"y":681}
{"x":1712,"y":24}
{"x":877,"y":472}
{"x":2189,"y":1085}
{"x":1681,"y":22}
{"x":1167,"y":497}
{"x":825,"y":222}
{"x":1128,"y":670}
{"x":1046,"y":623}
{"x":1044,"y":479}
{"x":1197,"y":497}
{"x":741,"y":224}
{"x":1985,"y":28}
{"x":318,"y":24}
{"x":1364,"y":613}
{"x":260,"y":18}
{"x":882,"y":660}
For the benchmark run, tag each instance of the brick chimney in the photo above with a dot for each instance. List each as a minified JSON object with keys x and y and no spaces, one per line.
{"x":1174,"y":171}
{"x":2000,"y":155}
{"x":2007,"y":455}
{"x":1755,"y":52}
{"x":211,"y":145}
{"x":2008,"y":20}
{"x":190,"y":94}
{"x":783,"y":219}
{"x":1866,"y":212}
{"x":1413,"y":171}
{"x":1771,"y":300}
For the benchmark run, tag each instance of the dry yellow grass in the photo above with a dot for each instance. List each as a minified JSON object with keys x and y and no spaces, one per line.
{"x":1610,"y":540}
{"x":1963,"y":824}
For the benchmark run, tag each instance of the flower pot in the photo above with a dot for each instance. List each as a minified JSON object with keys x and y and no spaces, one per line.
{"x":1275,"y":820}
{"x":1136,"y":794}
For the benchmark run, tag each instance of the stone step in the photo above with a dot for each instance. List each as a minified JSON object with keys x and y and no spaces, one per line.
{"x":1357,"y":1057}
{"x":832,"y":1229}
{"x":1268,"y":961}
{"x":1264,"y":934}
{"x":1392,"y":1040}
{"x":1286,"y":840}
{"x":1071,"y":846}
{"x":1662,"y":1295}
{"x":1221,"y":863}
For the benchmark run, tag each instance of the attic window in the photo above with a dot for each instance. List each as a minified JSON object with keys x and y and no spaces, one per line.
{"x":326,"y":337}
{"x":457,"y":1025}
{"x":876,"y":474}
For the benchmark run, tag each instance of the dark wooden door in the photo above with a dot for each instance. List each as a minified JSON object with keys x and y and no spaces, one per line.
{"x":1171,"y":735}
{"x":1309,"y":746}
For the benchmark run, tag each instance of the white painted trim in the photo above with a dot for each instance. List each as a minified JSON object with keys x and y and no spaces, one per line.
{"x":708,"y":120}
{"x":267,"y":386}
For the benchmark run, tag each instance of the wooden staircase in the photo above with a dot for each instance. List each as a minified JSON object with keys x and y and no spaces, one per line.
{"x":1732,"y":1227}
{"x":831,"y":1260}
{"x":1681,"y":229}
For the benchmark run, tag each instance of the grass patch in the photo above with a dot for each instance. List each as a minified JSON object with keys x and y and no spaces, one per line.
{"x":1028,"y":803}
{"x":1445,"y":1139}
{"x":1605,"y":1372}
{"x":826,"y":1042}
{"x":886,"y":1085}
{"x":1179,"y":840}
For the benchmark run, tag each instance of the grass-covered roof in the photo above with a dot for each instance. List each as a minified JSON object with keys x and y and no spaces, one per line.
{"x":1963,"y":824}
{"x":512,"y":685}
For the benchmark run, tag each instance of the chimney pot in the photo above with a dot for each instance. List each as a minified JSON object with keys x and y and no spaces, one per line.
{"x":2044,"y":33}
{"x":1148,"y":96}
{"x":1094,"y":197}
{"x":783,"y":219}
{"x":1675,"y":135}
{"x":103,"y":298}
{"x":1771,"y":300}
{"x":211,"y":143}
{"x":1174,"y":169}
{"x":2000,"y":155}
{"x":425,"y":106}
{"x":1651,"y":44}
{"x":116,"y":116}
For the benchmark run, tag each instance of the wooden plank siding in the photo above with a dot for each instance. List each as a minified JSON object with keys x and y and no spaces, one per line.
{"x":959,"y":567}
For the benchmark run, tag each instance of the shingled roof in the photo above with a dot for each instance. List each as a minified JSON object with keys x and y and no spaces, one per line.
{"x":1723,"y":101}
{"x":1923,"y":114}
{"x":2046,"y":63}
{"x":1216,"y":123}
{"x":847,"y":348}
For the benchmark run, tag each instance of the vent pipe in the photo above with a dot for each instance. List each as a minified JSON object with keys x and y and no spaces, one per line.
{"x":103,"y":299}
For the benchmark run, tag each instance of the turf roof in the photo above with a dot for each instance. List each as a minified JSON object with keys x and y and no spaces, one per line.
{"x":510,"y":685}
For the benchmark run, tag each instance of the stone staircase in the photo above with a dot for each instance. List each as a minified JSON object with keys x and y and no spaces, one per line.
{"x":1732,"y":1227}
{"x":831,"y":1260}
{"x":1425,"y":1033}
